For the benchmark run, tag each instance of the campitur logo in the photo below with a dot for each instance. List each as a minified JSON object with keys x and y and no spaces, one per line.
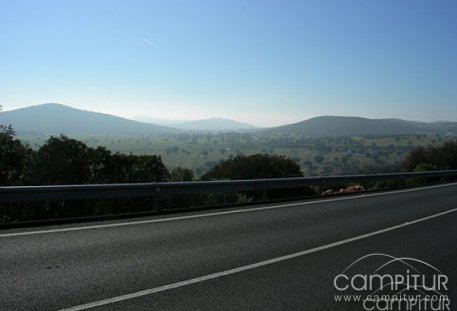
{"x":384,"y":282}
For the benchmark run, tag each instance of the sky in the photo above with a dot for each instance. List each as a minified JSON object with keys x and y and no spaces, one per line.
{"x":263,"y":62}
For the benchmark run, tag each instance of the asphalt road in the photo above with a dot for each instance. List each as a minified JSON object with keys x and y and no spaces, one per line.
{"x":275,"y":257}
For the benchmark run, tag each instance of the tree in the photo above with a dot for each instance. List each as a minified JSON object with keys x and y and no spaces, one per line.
{"x":101,"y":165}
{"x":424,"y":167}
{"x":254,"y":166}
{"x":259,"y":166}
{"x":13,"y":157}
{"x":149,"y":168}
{"x":61,"y":160}
{"x":441,"y":157}
{"x":181,"y":174}
{"x":134,"y":169}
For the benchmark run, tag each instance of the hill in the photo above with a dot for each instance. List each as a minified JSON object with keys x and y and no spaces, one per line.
{"x":214,"y":124}
{"x":350,"y":126}
{"x":61,"y":119}
{"x":211,"y":124}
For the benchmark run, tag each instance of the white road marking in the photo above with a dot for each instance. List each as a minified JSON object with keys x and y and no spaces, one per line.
{"x":248,"y":267}
{"x":246,"y":210}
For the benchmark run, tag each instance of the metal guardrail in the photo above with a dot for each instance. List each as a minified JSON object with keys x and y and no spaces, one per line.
{"x":111,"y":191}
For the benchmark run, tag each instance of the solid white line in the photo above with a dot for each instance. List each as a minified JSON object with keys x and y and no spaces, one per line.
{"x":250,"y":266}
{"x":246,"y":210}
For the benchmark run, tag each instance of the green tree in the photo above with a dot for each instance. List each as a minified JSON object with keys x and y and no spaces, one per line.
{"x":137,"y":168}
{"x":101,"y":165}
{"x":61,"y":160}
{"x":424,"y":167}
{"x":181,"y":174}
{"x":254,"y":166}
{"x":441,"y":157}
{"x":258,"y":166}
{"x":13,"y":157}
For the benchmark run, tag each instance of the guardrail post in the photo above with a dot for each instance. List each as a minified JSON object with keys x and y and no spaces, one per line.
{"x":155,"y":203}
{"x":320,"y":187}
{"x":264,"y":194}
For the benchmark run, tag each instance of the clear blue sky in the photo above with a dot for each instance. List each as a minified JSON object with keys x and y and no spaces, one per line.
{"x":264,"y":62}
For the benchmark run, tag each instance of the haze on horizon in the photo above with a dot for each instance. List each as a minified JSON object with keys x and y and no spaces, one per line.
{"x":262,"y":62}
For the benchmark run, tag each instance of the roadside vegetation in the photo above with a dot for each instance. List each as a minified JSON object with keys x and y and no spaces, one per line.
{"x":442,"y":157}
{"x":200,"y":152}
{"x":65,"y":160}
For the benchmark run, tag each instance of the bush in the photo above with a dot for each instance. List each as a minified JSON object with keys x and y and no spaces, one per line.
{"x":443,"y":157}
{"x":254,"y":167}
{"x":260,"y":166}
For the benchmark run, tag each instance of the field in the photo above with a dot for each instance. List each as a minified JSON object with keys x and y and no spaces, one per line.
{"x":317,"y":156}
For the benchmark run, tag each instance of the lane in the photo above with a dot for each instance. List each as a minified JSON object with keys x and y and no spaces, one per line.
{"x":62,"y":269}
{"x":306,"y":283}
{"x":257,"y":265}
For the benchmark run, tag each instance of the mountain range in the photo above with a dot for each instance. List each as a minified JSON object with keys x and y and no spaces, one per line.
{"x":60,"y":119}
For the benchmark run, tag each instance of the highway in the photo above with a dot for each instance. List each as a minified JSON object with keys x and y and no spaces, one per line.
{"x":281,"y":256}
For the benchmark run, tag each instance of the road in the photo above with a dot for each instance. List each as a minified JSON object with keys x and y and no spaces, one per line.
{"x":270,"y":257}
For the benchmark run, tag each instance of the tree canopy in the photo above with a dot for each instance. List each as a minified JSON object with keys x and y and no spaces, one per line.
{"x":13,"y":157}
{"x":63,"y":160}
{"x":254,"y":166}
{"x":433,"y":157}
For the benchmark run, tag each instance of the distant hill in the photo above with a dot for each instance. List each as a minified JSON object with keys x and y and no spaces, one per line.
{"x":350,"y":126}
{"x":214,"y":124}
{"x":211,"y":124}
{"x":157,"y":121}
{"x":60,"y":119}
